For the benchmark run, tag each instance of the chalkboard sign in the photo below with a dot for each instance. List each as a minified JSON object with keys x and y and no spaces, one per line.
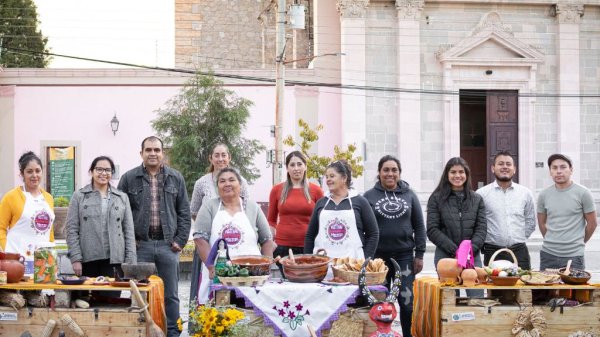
{"x":61,"y":171}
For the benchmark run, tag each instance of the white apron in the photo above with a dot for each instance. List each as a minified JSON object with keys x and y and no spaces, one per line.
{"x":32,"y":229}
{"x":241,"y":239}
{"x":338,"y":233}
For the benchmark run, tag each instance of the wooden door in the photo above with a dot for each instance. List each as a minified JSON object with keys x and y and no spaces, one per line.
{"x":502,"y":127}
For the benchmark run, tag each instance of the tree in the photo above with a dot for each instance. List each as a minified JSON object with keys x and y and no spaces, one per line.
{"x":200,"y":116}
{"x":315,"y":164}
{"x":19,"y":30}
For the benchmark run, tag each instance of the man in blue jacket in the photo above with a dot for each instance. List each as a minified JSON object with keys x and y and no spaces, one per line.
{"x":161,"y":216}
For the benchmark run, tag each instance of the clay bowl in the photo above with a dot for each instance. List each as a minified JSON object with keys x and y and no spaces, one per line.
{"x":573,"y":279}
{"x":257,"y":265}
{"x":505,"y":280}
{"x":139,"y":271}
{"x":307,"y":269}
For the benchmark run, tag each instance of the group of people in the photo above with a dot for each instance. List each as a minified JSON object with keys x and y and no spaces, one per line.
{"x":148,"y":218}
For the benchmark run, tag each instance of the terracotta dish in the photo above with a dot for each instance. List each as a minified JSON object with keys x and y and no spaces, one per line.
{"x":257,"y":265}
{"x":307,"y":269}
{"x":505,"y":280}
{"x":576,"y":276}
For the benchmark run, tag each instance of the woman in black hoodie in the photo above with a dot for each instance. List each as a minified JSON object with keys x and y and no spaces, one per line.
{"x":456,"y":213}
{"x":401,"y":230}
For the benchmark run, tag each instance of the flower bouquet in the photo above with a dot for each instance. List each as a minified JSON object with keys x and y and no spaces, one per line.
{"x":210,"y":321}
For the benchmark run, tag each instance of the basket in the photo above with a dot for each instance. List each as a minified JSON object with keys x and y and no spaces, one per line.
{"x":515,"y":262}
{"x":348,"y":325}
{"x":505,"y":280}
{"x":248,"y":281}
{"x":371,"y":278}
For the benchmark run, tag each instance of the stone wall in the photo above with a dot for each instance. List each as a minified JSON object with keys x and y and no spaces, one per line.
{"x":234,"y":34}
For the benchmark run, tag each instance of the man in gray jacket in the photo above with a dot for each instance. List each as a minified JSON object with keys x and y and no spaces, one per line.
{"x":161,"y":215}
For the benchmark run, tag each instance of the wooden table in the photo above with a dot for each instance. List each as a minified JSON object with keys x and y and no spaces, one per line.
{"x":98,"y":320}
{"x":438,"y":312}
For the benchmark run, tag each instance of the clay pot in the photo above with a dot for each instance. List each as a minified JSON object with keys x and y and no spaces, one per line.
{"x":13,"y":265}
{"x":257,"y":265}
{"x":481,"y":274}
{"x":469,"y":277}
{"x":307,"y":269}
{"x":448,"y":270}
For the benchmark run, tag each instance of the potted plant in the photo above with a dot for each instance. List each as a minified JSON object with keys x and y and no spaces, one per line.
{"x":61,"y":206}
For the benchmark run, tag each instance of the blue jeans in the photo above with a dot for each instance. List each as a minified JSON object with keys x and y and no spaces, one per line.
{"x":440,"y":254}
{"x":548,"y":260}
{"x":167,"y":265}
{"x":405,"y":298}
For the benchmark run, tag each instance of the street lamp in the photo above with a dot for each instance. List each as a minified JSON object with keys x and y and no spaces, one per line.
{"x":114,"y":124}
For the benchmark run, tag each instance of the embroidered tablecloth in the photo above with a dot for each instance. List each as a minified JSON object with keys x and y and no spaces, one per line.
{"x":288,"y":307}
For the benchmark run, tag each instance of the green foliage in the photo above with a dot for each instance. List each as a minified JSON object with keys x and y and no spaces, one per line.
{"x":316,"y":165}
{"x":61,"y":202}
{"x":200,"y":116}
{"x":19,"y":29}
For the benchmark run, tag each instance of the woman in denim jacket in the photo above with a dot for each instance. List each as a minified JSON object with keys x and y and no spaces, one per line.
{"x":100,"y":232}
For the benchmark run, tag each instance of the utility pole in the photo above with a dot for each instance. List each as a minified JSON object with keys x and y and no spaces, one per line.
{"x":279,"y":87}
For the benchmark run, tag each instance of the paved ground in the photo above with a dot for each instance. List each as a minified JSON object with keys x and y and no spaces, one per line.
{"x":592,"y":257}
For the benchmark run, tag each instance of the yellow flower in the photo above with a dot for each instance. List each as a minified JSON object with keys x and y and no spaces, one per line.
{"x":219,"y":330}
{"x":180,"y":324}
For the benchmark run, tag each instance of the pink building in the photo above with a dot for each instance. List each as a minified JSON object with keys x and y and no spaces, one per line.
{"x":46,"y":108}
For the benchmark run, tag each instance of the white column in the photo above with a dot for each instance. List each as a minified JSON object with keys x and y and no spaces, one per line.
{"x":569,"y":109}
{"x":409,"y":77}
{"x":353,"y":66}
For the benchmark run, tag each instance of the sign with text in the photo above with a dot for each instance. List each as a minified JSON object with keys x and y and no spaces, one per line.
{"x":61,"y":171}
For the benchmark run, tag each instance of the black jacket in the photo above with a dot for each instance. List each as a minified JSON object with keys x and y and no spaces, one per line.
{"x":451,"y":221}
{"x":175,"y":217}
{"x":400,"y":219}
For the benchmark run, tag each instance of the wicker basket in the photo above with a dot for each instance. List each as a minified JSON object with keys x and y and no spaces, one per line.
{"x":506,"y":280}
{"x":248,"y":281}
{"x":352,"y":276}
{"x":510,"y":252}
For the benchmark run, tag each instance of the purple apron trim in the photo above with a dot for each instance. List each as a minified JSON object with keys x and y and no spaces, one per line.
{"x":268,"y":322}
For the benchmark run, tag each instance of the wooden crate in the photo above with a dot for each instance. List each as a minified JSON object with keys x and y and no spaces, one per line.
{"x":497,"y":321}
{"x":95,"y":322}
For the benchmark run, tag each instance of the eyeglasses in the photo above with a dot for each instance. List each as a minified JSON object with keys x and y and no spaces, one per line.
{"x":101,"y":170}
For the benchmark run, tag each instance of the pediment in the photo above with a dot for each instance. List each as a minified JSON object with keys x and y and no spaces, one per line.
{"x":490,"y":42}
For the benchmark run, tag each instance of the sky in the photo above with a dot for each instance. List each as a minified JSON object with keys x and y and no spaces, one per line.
{"x":130,"y":31}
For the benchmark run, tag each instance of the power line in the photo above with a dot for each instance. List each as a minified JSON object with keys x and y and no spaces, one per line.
{"x":297,"y":82}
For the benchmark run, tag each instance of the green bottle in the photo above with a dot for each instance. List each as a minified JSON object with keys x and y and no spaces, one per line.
{"x":221,"y":262}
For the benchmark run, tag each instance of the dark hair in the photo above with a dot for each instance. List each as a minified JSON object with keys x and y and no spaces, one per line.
{"x":95,"y":162}
{"x":444,"y":187}
{"x":232,"y":170}
{"x":559,"y":156}
{"x":384,"y":159}
{"x":288,"y":183}
{"x":503,"y":153}
{"x":211,"y":167}
{"x":152,"y":138}
{"x":343,"y":168}
{"x":26,"y":158}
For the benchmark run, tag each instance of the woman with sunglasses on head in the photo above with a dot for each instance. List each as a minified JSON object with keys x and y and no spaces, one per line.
{"x":402,"y":234}
{"x":100,"y":232}
{"x":27,"y":211}
{"x":290,"y":206}
{"x":342,"y":223}
{"x":456,"y":213}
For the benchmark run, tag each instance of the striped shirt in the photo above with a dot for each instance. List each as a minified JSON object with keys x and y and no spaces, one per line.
{"x":510,"y":214}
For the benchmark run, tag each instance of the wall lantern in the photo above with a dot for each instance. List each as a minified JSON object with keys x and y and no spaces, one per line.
{"x":114,"y":124}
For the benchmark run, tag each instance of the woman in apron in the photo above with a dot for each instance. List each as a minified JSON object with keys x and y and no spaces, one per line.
{"x":26,"y":212}
{"x":342,"y":223}
{"x":205,"y":189}
{"x":243,"y":226}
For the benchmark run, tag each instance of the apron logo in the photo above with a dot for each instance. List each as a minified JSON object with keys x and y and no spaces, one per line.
{"x":337,"y":231}
{"x":232,"y":234}
{"x":41,"y":222}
